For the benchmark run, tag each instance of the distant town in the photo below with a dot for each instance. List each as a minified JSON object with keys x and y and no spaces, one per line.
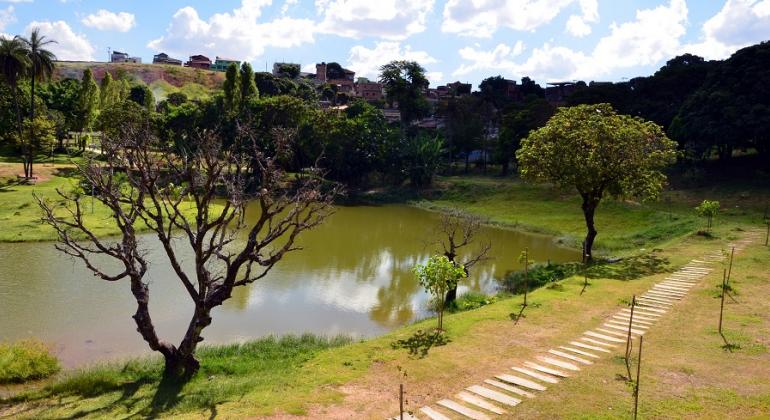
{"x":345,"y":82}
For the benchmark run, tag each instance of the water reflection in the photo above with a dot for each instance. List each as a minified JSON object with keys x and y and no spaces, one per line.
{"x":353,"y":276}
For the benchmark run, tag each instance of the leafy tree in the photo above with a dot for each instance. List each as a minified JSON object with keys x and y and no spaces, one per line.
{"x":41,"y":68}
{"x":142,"y":95}
{"x":708,"y":209}
{"x":176,"y":98}
{"x":437,"y":276}
{"x":405,"y":83}
{"x":530,"y":87}
{"x":13,"y":64}
{"x":334,"y":71}
{"x":232,"y":90}
{"x":494,"y":90}
{"x":289,"y":70}
{"x":109,"y":92}
{"x":517,"y":122}
{"x":423,"y":158}
{"x":153,"y":194}
{"x":248,"y":85}
{"x":88,"y":101}
{"x":127,"y":114}
{"x":464,"y":125}
{"x":64,"y":96}
{"x":40,"y":135}
{"x":598,"y":152}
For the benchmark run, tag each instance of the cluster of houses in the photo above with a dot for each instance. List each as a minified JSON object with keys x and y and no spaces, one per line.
{"x":346,"y":83}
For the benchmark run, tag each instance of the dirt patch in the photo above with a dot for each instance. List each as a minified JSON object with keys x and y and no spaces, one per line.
{"x":41,"y":171}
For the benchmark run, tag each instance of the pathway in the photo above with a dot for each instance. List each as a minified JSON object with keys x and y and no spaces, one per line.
{"x":500,"y":394}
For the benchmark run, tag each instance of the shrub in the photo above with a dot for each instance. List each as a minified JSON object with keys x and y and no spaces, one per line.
{"x":471,"y":300}
{"x":539,"y":275}
{"x":26,"y":360}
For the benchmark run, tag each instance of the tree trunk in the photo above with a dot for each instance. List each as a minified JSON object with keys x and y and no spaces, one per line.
{"x":20,"y":126}
{"x":31,"y":156}
{"x":589,"y":209}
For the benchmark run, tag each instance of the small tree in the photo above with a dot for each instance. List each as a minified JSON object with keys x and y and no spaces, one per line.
{"x":708,"y":209}
{"x":437,"y":276}
{"x":598,"y":152}
{"x":524,"y":259}
{"x":458,"y":230}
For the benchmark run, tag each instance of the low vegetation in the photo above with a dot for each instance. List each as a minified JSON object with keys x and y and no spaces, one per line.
{"x":26,"y":360}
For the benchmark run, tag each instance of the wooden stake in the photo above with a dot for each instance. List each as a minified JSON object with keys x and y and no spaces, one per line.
{"x":401,"y":401}
{"x":730,"y":267}
{"x":638,"y":370}
{"x":722,"y":306}
{"x":767,"y":237}
{"x":628,"y":339}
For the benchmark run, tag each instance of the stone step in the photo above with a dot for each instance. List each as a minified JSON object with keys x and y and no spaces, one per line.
{"x":494,"y":395}
{"x":653,"y":302}
{"x":479,"y":402}
{"x":526,"y":383}
{"x":649,"y":308}
{"x":658,"y":299}
{"x":510,"y":388}
{"x":578,"y":351}
{"x":624,"y":326}
{"x":604,"y":337}
{"x":595,"y":341}
{"x":541,"y":368}
{"x":588,"y":346}
{"x":570,"y":357}
{"x":536,"y":375}
{"x":626,"y":313}
{"x":623,"y":319}
{"x":617,"y":333}
{"x":680,"y":282}
{"x":465,"y":411}
{"x":433,"y":414}
{"x":559,"y":363}
{"x":670,"y":289}
{"x":662,"y":295}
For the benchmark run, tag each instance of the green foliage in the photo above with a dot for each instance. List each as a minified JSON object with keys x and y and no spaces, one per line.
{"x":517,"y":122}
{"x":598,"y":152}
{"x":472,"y":300}
{"x":437,"y":276}
{"x":39,"y":134}
{"x":248,"y":85}
{"x":539,"y":275}
{"x":464,"y":124}
{"x":88,"y":102}
{"x":232,"y":90}
{"x":404,"y":83}
{"x":142,"y":95}
{"x":289,"y":70}
{"x":423,"y":158}
{"x":708,"y":209}
{"x":26,"y":360}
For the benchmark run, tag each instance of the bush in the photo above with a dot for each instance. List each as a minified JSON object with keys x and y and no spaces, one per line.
{"x":26,"y":360}
{"x":471,"y":300}
{"x":539,"y":276}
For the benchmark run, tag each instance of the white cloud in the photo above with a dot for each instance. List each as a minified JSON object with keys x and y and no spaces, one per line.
{"x":435,"y":77}
{"x":387,"y":19}
{"x":6,"y":17}
{"x":238,"y":34}
{"x":366,"y":62}
{"x":104,"y":20}
{"x":69,"y":45}
{"x":482,"y":18}
{"x":652,"y":36}
{"x":738,"y":24}
{"x":499,"y":58}
{"x":578,"y":25}
{"x":286,"y":5}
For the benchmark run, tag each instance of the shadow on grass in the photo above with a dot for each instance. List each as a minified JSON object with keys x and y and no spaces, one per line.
{"x":421,"y":342}
{"x":629,"y":268}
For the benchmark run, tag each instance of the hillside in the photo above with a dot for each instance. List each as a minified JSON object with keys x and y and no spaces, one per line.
{"x":163,"y":79}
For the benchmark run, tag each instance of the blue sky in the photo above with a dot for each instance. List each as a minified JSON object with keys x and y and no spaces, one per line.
{"x":465,"y":40}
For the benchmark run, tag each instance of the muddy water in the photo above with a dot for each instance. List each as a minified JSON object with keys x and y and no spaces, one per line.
{"x":353,"y":277}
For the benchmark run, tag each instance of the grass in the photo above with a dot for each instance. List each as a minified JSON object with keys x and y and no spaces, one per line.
{"x":21,"y":216}
{"x":26,"y":360}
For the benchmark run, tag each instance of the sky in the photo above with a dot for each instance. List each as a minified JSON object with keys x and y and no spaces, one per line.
{"x":465,"y":40}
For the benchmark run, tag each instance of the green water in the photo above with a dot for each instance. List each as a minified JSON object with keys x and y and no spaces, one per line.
{"x":352,"y":277}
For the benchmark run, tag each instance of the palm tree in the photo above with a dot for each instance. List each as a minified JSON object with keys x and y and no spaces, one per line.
{"x":13,"y":66}
{"x":42,"y":68}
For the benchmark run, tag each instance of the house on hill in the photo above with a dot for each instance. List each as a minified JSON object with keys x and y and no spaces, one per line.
{"x":163,"y":58}
{"x":198,"y":62}
{"x":121,"y":57}
{"x":334,"y":74}
{"x":221,"y":64}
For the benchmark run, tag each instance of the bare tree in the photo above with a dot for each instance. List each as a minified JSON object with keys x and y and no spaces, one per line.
{"x":455,"y":231}
{"x":228,"y":251}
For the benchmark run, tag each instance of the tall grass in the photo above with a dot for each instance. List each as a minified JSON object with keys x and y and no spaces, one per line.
{"x":26,"y":360}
